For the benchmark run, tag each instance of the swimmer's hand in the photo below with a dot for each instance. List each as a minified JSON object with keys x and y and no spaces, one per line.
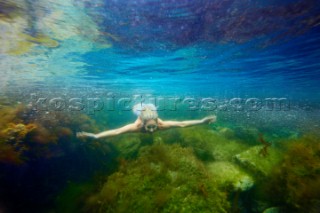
{"x":209,"y":119}
{"x":86,"y":134}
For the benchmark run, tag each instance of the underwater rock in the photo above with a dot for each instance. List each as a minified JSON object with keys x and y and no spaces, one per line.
{"x":164,"y":178}
{"x":230,"y":176}
{"x":226,"y":132}
{"x":260,"y":166}
{"x":210,"y":145}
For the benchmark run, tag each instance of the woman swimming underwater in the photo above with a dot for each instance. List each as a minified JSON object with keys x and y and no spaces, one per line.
{"x":147,"y":121}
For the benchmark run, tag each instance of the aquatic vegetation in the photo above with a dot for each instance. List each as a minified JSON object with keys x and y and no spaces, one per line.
{"x":10,"y":114}
{"x":25,"y":134}
{"x":264,"y":150}
{"x":15,"y":133}
{"x":296,"y":182}
{"x":12,"y":145}
{"x":164,"y":178}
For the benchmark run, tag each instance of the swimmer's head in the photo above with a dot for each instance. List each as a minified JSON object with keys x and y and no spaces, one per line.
{"x":149,"y":117}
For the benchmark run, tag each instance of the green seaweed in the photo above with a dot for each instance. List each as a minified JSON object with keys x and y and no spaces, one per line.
{"x":164,"y":178}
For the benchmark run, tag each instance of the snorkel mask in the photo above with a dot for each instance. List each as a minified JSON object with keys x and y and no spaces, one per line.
{"x":151,"y":125}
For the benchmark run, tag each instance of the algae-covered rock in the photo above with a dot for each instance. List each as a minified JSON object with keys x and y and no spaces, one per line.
{"x":224,"y":150}
{"x":210,"y":145}
{"x":164,"y":178}
{"x":199,"y":140}
{"x":259,"y":165}
{"x":230,"y":176}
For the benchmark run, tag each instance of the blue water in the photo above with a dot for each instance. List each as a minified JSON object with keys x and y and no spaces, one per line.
{"x":232,"y":52}
{"x":208,"y":47}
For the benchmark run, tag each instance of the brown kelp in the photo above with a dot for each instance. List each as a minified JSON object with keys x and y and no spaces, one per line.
{"x":25,"y":134}
{"x":297,"y":181}
{"x":12,"y":142}
{"x":264,"y":150}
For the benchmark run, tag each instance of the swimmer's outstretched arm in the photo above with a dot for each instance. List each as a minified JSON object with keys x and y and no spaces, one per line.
{"x":134,"y":127}
{"x":169,"y":124}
